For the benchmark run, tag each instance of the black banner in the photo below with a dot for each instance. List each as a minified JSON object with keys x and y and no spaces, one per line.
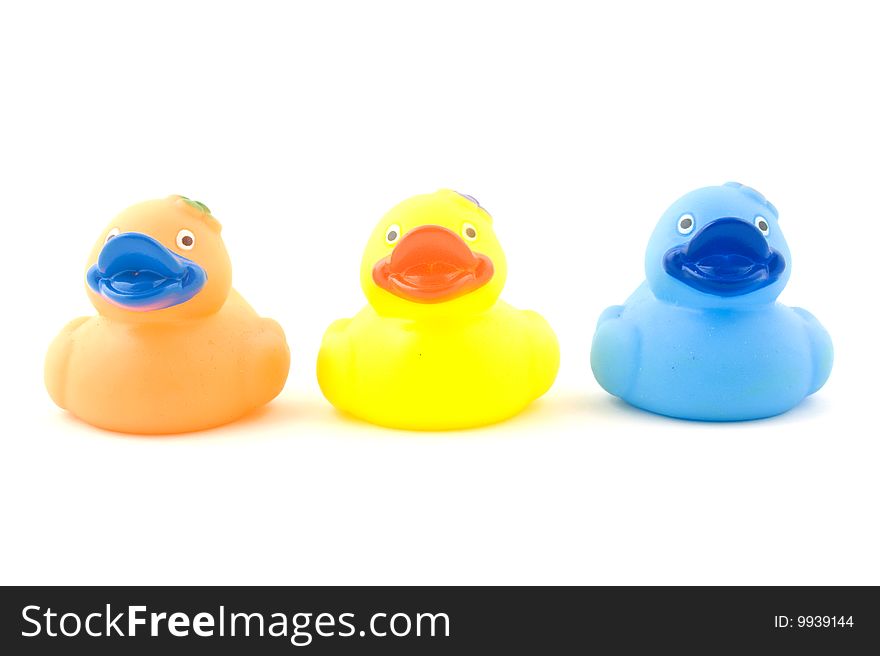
{"x":446,"y":620}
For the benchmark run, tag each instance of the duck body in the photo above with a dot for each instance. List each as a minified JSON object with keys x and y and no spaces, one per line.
{"x":703,"y":337}
{"x":438,"y":374}
{"x":709,"y":364}
{"x":436,"y":348}
{"x":173,"y":349}
{"x":172,"y":377}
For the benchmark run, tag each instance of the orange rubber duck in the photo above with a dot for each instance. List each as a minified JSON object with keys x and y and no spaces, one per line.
{"x":174,"y":348}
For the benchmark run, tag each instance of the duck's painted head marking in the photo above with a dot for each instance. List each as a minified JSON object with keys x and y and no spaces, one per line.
{"x":433,"y":255}
{"x":718,"y":247}
{"x":160,"y":260}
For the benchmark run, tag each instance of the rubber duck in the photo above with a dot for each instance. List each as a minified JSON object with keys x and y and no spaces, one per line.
{"x":173,"y":348}
{"x":703,"y":337}
{"x":435,"y":348}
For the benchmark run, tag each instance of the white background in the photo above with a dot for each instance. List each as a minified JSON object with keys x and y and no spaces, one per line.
{"x":300,"y":124}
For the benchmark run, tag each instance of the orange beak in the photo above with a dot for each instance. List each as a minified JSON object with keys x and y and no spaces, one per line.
{"x":432,"y":264}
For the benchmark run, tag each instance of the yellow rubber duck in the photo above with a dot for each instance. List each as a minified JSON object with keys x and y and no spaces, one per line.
{"x":435,"y":348}
{"x":174,"y":348}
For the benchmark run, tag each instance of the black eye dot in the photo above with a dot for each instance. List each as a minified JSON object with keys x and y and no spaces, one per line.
{"x":470,"y":232}
{"x":392,"y":235}
{"x":187,"y":240}
{"x":686,"y":223}
{"x":762,"y":225}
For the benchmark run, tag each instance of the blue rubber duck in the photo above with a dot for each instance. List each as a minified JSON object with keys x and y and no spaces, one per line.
{"x":703,"y":337}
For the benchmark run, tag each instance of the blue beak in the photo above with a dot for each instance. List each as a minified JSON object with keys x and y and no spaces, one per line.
{"x":136,"y":272}
{"x":728,"y":257}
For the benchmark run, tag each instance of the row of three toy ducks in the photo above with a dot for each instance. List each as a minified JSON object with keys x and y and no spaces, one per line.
{"x":176,"y":349}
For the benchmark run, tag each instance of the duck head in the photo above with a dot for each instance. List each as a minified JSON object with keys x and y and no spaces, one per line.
{"x":160,"y":260}
{"x":433,"y":255}
{"x":718,"y":247}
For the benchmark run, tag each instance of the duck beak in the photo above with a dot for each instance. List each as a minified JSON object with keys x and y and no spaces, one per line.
{"x":728,"y":257}
{"x":136,"y":272}
{"x":432,"y":264}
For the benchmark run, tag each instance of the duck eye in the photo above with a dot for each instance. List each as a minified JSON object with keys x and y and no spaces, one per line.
{"x":110,"y":235}
{"x":392,"y":234}
{"x":186,"y":240}
{"x":686,"y":224}
{"x":762,"y":225}
{"x":469,"y":232}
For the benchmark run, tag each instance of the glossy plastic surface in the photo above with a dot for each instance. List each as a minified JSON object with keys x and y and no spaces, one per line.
{"x":432,"y":264}
{"x":138,"y":273}
{"x":727,"y":257}
{"x":704,"y":338}
{"x":173,"y":348}
{"x":435,"y":348}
